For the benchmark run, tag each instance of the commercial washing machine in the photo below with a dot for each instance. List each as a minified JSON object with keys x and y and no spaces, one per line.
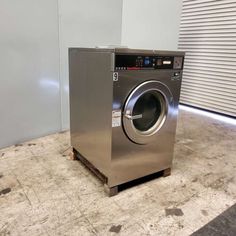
{"x":123,"y":111}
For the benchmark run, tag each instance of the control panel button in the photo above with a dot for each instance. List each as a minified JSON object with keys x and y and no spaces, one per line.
{"x":159,"y":62}
{"x":176,"y":76}
{"x":146,"y":61}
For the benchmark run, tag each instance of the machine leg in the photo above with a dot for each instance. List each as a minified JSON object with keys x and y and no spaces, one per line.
{"x":111,"y":191}
{"x":73,"y":155}
{"x":166,"y":172}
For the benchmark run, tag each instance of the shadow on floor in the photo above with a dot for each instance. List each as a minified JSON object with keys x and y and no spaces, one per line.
{"x":224,"y":224}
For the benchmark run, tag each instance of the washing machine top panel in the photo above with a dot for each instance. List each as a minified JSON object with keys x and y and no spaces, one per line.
{"x":148,"y":62}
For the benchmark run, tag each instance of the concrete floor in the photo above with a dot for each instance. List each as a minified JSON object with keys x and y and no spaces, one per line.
{"x":42,"y":192}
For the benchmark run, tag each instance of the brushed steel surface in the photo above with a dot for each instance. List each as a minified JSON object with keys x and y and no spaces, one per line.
{"x":130,"y":160}
{"x":94,"y":96}
{"x":91,"y":106}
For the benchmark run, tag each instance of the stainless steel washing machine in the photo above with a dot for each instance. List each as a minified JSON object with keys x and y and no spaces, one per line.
{"x":123,"y":111}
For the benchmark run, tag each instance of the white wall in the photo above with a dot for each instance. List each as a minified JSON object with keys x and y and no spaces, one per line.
{"x":34,"y":40}
{"x":85,"y":24}
{"x":151,"y":24}
{"x":33,"y":97}
{"x":29,"y":66}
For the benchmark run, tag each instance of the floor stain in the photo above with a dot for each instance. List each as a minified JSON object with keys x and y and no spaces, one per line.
{"x":31,"y":144}
{"x":5,"y":191}
{"x":5,"y":232}
{"x":18,"y":145}
{"x":1,"y":176}
{"x":207,"y":174}
{"x":115,"y":228}
{"x":174,"y":212}
{"x":204,"y":212}
{"x":195,"y":180}
{"x":216,"y":181}
{"x":181,"y":226}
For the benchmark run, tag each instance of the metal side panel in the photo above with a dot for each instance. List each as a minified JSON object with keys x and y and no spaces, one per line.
{"x":90,"y":81}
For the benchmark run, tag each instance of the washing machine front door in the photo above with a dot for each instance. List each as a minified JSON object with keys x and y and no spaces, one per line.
{"x":146,"y":110}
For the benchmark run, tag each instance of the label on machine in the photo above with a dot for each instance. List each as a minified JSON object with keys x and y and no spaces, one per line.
{"x":116,"y":118}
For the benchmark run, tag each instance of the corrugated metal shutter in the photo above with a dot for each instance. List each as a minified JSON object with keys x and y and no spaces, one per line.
{"x":208,"y":36}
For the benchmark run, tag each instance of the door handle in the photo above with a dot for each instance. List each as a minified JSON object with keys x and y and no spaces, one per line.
{"x":133,"y":117}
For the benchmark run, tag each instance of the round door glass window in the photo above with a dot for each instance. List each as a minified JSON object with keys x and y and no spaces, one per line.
{"x":147,"y":109}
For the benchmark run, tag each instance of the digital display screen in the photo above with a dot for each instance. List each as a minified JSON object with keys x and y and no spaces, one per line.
{"x":166,"y":62}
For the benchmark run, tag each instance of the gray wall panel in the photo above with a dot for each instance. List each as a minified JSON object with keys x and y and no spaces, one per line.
{"x":87,"y":23}
{"x":152,"y":24}
{"x":29,"y":66}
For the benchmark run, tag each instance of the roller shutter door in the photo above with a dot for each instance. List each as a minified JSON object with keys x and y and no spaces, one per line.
{"x":208,"y":36}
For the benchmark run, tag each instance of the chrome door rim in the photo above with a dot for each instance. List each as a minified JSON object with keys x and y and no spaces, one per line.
{"x":165,"y":96}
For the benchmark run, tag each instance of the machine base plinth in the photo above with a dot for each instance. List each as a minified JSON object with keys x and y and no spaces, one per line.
{"x":90,"y":166}
{"x":73,"y":156}
{"x":167,"y":172}
{"x":112,"y":191}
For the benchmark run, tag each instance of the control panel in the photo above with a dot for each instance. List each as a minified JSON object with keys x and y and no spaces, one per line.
{"x":144,"y":62}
